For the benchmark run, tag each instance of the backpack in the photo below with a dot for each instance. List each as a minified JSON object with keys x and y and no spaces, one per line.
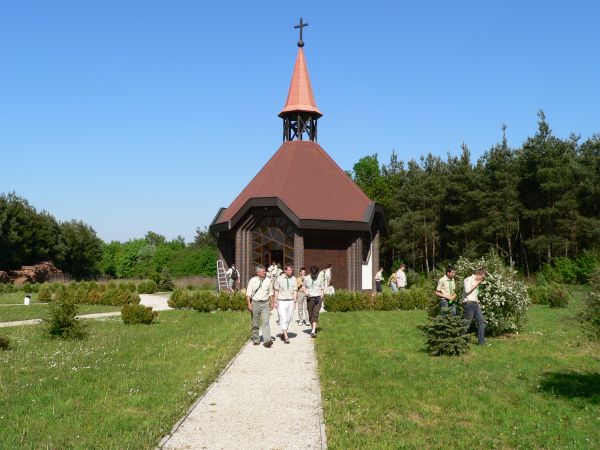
{"x":234,"y":274}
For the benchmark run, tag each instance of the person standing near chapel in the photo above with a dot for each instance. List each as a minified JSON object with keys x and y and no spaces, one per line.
{"x":401,"y":277}
{"x":259,"y":297}
{"x":471,"y":306}
{"x":233,"y":278}
{"x":301,"y":298}
{"x":285,"y":298}
{"x":392,"y":282}
{"x":446,"y":291}
{"x":378,"y":279}
{"x":314,"y":285}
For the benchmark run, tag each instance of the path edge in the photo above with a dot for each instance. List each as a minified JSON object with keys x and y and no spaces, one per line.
{"x":320,"y":402}
{"x":168,"y":436}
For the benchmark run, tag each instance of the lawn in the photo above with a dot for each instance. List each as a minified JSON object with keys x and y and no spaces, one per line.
{"x":15,"y":298}
{"x":42,"y":310}
{"x":122,"y":387}
{"x":380,"y":389}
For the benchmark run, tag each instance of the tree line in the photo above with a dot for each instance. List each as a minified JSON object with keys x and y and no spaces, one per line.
{"x":533,"y":204}
{"x":29,"y":237}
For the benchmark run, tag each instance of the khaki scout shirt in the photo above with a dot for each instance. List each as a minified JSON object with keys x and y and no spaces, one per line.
{"x":300,"y":284}
{"x":445,"y":286}
{"x":260,"y":289}
{"x":314,"y":288}
{"x":286,"y":287}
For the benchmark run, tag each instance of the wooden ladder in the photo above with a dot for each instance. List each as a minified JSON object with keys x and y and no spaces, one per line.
{"x":222,"y":277}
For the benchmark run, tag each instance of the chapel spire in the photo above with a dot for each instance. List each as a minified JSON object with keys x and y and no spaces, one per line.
{"x":300,"y":112}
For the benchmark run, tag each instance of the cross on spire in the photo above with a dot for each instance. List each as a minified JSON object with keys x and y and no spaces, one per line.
{"x":302,"y":25}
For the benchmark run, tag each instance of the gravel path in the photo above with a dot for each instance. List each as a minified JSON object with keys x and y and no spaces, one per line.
{"x":267,"y":398}
{"x":156,"y":301}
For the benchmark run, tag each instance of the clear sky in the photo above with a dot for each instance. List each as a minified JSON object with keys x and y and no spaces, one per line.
{"x":150,"y":115}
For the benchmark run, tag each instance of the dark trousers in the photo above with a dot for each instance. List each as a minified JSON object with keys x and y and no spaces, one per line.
{"x":377,"y":285}
{"x":472,"y":309}
{"x":451,"y":307}
{"x":313,"y":304}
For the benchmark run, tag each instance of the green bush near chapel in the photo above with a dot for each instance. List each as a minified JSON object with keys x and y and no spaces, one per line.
{"x":207,"y":301}
{"x":405,"y":299}
{"x":138,"y":314}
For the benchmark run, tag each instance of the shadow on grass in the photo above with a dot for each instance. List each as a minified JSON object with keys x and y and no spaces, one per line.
{"x":572,"y":384}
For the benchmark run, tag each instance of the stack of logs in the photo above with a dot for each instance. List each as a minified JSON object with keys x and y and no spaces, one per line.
{"x":38,"y":273}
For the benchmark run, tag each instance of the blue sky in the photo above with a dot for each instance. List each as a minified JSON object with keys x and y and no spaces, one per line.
{"x":136,"y":116}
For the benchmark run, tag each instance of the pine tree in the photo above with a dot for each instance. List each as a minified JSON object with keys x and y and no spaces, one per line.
{"x":446,"y":335}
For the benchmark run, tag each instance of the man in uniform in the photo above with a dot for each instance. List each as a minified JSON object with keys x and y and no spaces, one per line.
{"x":445,"y":291}
{"x":259,"y":296}
{"x":301,"y":298}
{"x":471,"y":305}
{"x":285,"y":297}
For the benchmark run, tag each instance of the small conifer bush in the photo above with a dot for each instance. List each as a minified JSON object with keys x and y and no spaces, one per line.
{"x":446,"y":335}
{"x":166,"y":283}
{"x":44,"y":293}
{"x":138,"y":314}
{"x":63,"y":322}
{"x":4,"y":343}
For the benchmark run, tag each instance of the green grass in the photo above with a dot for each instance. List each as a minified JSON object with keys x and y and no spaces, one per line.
{"x":537,"y":390}
{"x":15,"y":298}
{"x":40,"y":311}
{"x":122,"y":387}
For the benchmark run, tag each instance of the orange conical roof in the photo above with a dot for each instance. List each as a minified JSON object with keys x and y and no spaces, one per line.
{"x":300,"y":96}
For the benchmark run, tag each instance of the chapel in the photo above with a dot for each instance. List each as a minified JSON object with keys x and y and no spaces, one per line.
{"x":301,"y":208}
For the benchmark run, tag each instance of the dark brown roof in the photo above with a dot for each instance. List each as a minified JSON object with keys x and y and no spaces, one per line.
{"x":304,"y":181}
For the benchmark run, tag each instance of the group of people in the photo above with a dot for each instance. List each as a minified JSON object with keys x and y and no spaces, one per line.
{"x":397,"y":280}
{"x":446,"y":293}
{"x":282,"y":291}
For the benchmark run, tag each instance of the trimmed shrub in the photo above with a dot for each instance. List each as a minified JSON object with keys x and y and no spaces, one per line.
{"x":138,"y":314}
{"x":62,"y":322}
{"x":147,"y":287}
{"x":4,"y":343}
{"x":235,"y":301}
{"x":344,"y":300}
{"x":503,"y":296}
{"x":118,"y":297}
{"x":27,"y":288}
{"x":446,"y":335}
{"x":180,"y":299}
{"x":44,"y":293}
{"x":204,"y":301}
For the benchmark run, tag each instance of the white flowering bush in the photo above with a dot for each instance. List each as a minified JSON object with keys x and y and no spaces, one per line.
{"x":503,"y":296}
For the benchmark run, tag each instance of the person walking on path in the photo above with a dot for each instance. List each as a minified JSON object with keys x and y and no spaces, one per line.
{"x":315,"y":286}
{"x":392,"y":282}
{"x":471,"y":306}
{"x":259,"y":296}
{"x":285,"y":297}
{"x":378,"y":279}
{"x":233,"y":278}
{"x":401,"y":277}
{"x":301,"y":298}
{"x":445,"y":291}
